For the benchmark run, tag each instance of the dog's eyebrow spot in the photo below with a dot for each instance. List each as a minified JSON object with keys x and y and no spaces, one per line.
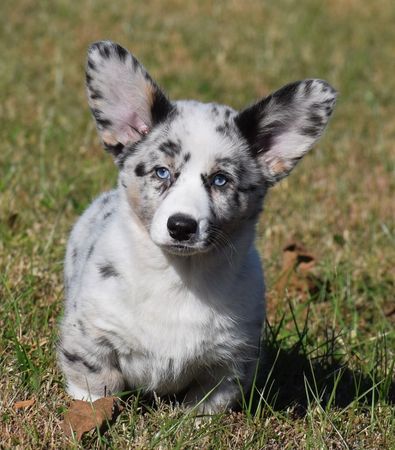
{"x":224,"y":161}
{"x":170,"y":148}
{"x":107,"y":270}
{"x":140,"y":170}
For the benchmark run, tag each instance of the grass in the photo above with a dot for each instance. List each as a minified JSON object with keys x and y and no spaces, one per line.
{"x":327,"y":380}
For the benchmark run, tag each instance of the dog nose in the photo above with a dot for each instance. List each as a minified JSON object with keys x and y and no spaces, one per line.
{"x":181,"y":227}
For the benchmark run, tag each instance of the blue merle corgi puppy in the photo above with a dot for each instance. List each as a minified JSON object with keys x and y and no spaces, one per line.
{"x":164,"y":286}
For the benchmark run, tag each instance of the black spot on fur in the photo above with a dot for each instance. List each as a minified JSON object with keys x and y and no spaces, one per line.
{"x":140,"y":170}
{"x":224,"y":128}
{"x":328,"y":110}
{"x":104,"y":123}
{"x":136,"y":64}
{"x":107,"y":215}
{"x":108,"y":270}
{"x":103,"y":48}
{"x":215,"y":111}
{"x":309,"y":131}
{"x":102,"y":341}
{"x":286,"y":95}
{"x":315,"y":127}
{"x":88,"y":78}
{"x":307,"y":87}
{"x":121,"y":52}
{"x":74,"y":358}
{"x":70,"y":356}
{"x":187,"y":157}
{"x":95,"y":94}
{"x":90,"y":251}
{"x":161,"y":107}
{"x":115,"y":149}
{"x":224,"y":161}
{"x":170,"y":148}
{"x":127,"y":151}
{"x":81,"y":327}
{"x":205,"y":181}
{"x":316,"y":120}
{"x":248,"y":122}
{"x":91,"y":65}
{"x":227,"y":113}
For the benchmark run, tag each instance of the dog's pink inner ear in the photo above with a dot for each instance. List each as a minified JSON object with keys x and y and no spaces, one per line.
{"x":137,"y":124}
{"x":129,"y":129}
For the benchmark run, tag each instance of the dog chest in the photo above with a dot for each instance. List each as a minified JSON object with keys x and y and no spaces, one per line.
{"x":166,"y":336}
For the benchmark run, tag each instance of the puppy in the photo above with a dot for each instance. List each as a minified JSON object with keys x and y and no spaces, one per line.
{"x":164,"y":286}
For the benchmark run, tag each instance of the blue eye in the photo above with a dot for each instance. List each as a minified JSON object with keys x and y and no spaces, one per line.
{"x":220,"y":180}
{"x":162,"y":173}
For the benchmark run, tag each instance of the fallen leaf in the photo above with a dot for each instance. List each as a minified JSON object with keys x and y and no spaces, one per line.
{"x":24,"y":403}
{"x":390,"y":313}
{"x":297,"y":272}
{"x":83,"y":417}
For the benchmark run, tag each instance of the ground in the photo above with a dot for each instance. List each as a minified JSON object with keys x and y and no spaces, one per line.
{"x":328,"y":377}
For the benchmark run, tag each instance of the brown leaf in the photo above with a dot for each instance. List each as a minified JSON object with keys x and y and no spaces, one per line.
{"x":297,"y":273}
{"x":85,"y":416}
{"x":24,"y":403}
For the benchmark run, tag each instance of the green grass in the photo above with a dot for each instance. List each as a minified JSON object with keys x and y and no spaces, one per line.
{"x":327,"y":379}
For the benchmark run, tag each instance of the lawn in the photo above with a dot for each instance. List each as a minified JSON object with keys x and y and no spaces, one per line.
{"x":327,"y":380}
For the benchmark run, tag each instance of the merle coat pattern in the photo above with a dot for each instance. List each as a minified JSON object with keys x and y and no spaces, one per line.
{"x":164,"y":287}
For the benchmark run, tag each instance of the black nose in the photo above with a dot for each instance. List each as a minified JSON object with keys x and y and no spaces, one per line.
{"x":181,"y":227}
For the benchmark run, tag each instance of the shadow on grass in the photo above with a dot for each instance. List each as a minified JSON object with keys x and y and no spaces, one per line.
{"x":294,"y":378}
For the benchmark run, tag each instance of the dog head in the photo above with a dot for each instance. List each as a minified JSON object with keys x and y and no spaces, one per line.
{"x":193,"y":173}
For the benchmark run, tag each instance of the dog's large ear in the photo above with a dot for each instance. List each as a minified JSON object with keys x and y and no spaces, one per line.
{"x":126,"y":103}
{"x":282,"y":127}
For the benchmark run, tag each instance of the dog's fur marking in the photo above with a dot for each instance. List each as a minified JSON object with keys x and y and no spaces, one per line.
{"x":164,"y":287}
{"x":108,"y":270}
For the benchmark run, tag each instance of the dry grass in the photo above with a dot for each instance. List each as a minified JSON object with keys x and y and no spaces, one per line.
{"x":328,"y":380}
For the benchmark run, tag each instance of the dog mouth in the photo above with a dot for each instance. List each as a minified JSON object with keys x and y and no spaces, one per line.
{"x":186,"y":249}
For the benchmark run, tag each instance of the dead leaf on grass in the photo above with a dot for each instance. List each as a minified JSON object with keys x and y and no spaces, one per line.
{"x":390,"y":312}
{"x":22,"y":404}
{"x":297,"y":273}
{"x":83,"y":417}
